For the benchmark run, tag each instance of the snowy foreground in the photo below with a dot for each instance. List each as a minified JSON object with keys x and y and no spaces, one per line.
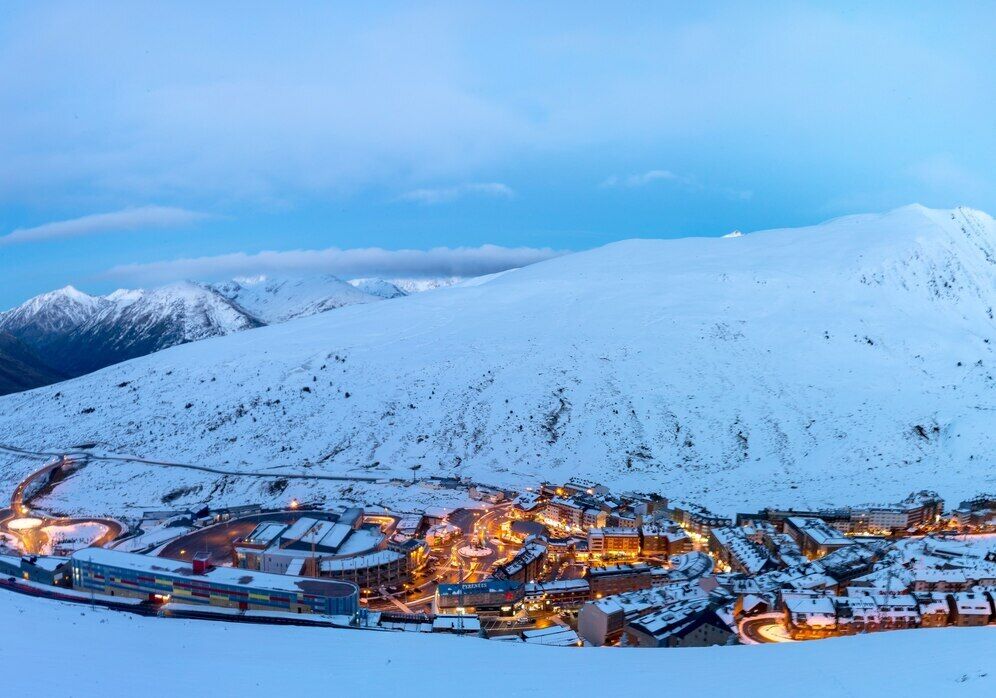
{"x":71,"y":650}
{"x":814,"y":366}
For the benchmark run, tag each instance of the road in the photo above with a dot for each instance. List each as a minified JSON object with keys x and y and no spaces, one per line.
{"x":35,"y":540}
{"x":765,"y":629}
{"x":84,"y":455}
{"x":218,"y":539}
{"x":418,"y":596}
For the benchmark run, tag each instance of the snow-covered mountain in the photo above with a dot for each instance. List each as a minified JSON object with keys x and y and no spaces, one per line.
{"x":70,"y":333}
{"x":796,"y":366}
{"x":43,"y":320}
{"x":378,"y":287}
{"x":278,"y":300}
{"x":75,"y":333}
{"x":418,"y":285}
{"x":139,"y":323}
{"x":395,"y":288}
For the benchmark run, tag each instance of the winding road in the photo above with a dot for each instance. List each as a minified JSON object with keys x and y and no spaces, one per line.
{"x":34,"y":540}
{"x":88,"y":456}
{"x":764,"y":629}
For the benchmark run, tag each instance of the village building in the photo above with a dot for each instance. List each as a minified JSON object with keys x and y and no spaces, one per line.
{"x":44,"y":569}
{"x":490,"y":597}
{"x":697,"y":519}
{"x":618,"y":579}
{"x":970,"y":608}
{"x":732,"y":547}
{"x":664,"y":539}
{"x":560,"y":594}
{"x":527,"y":565}
{"x":809,"y":616}
{"x":690,"y":624}
{"x":978,"y":514}
{"x":933,"y":608}
{"x":117,"y":573}
{"x":553,"y":636}
{"x":350,"y":546}
{"x":610,"y":541}
{"x":815,"y":537}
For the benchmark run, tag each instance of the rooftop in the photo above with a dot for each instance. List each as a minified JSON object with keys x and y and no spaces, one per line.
{"x":626,"y":568}
{"x":819,"y":530}
{"x":219,"y":575}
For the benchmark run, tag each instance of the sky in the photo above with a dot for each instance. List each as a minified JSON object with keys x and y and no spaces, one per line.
{"x":144,"y":143}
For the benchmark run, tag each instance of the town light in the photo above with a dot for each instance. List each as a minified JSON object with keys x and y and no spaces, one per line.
{"x":294,"y":504}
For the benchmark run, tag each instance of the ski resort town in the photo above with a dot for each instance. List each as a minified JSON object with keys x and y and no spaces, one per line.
{"x":571,"y":564}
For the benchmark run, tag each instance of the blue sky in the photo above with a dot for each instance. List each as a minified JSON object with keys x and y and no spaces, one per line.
{"x":144,"y":143}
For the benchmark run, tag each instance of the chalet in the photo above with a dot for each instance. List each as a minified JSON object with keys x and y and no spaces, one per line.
{"x":969,"y":608}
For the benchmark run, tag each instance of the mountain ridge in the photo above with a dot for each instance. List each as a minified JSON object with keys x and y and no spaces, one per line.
{"x":67,"y":333}
{"x":736,"y":372}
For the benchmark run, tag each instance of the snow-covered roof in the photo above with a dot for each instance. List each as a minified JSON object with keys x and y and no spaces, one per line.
{"x":622,"y":568}
{"x":624,"y":531}
{"x":971,"y":603}
{"x":265,"y":533}
{"x":456,"y":622}
{"x":47,"y":562}
{"x":559,"y":586}
{"x":356,"y":562}
{"x":221,"y":575}
{"x":809,"y":604}
{"x":670,"y":619}
{"x":819,"y":530}
{"x":554,"y":635}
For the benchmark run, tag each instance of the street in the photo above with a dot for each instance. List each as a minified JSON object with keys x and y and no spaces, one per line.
{"x":33,"y":539}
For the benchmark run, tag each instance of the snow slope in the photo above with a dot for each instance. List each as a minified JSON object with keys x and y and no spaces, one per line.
{"x":99,"y":652}
{"x":823,"y":365}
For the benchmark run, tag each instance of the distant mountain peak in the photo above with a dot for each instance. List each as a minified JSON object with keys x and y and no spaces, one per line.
{"x":278,"y":299}
{"x":378,"y":287}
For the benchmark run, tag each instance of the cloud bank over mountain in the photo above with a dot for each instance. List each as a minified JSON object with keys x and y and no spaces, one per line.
{"x":371,"y":261}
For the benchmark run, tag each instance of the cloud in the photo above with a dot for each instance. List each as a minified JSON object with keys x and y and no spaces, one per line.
{"x":96,"y":224}
{"x":689,"y":183}
{"x":446,"y":194}
{"x":942,"y":174}
{"x":645,"y":178}
{"x":313,"y":112}
{"x":357,"y":262}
